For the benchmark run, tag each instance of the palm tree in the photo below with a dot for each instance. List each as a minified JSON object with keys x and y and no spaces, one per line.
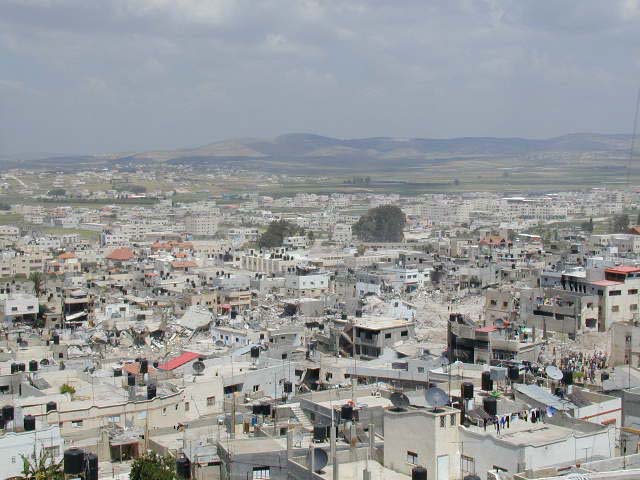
{"x":44,"y":467}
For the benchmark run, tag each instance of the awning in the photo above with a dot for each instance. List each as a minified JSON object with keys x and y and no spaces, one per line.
{"x":75,"y":316}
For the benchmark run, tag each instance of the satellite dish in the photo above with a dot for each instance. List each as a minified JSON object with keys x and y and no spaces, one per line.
{"x":399,"y":400}
{"x":553,"y":373}
{"x":198,"y":367}
{"x":320,"y":459}
{"x":219,"y":343}
{"x":436,"y":397}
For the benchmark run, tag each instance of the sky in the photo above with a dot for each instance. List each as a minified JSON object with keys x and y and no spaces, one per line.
{"x":97,"y":76}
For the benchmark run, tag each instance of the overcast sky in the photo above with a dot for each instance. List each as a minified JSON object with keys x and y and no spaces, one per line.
{"x":119,"y":75}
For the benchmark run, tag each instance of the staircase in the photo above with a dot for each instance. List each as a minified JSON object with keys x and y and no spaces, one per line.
{"x":300,"y":416}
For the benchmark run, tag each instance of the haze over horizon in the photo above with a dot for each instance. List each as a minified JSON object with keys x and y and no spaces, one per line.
{"x":111,"y":76}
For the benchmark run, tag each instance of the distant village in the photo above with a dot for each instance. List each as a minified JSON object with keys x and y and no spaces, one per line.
{"x":244,"y":335}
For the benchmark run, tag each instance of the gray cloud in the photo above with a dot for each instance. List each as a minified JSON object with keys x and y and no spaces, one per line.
{"x":109,"y":75}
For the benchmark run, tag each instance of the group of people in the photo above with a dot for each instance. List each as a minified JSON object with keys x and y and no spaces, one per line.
{"x":586,"y":364}
{"x":501,"y":422}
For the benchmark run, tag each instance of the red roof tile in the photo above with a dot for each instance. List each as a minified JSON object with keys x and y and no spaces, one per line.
{"x":121,"y":254}
{"x":623,"y":269}
{"x":174,"y":363}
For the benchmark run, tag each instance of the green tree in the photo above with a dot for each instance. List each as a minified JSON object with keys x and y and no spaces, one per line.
{"x":620,"y":223}
{"x":153,"y":467}
{"x":38,"y":281}
{"x":587,"y":226}
{"x":57,"y":192}
{"x":276,"y":233}
{"x":42,"y":468}
{"x":66,"y":388}
{"x":381,"y":224}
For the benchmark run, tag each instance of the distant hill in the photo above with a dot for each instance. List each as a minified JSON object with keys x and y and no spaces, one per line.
{"x":308,"y":152}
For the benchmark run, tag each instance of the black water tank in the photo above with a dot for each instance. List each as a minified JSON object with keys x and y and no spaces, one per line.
{"x":117,"y":372}
{"x":56,"y":339}
{"x":131,"y":380}
{"x":7,"y":413}
{"x":514,"y":373}
{"x":51,"y":406}
{"x":22,"y":367}
{"x":346,"y":412}
{"x":265,"y":409}
{"x":33,"y":365}
{"x":490,"y":405}
{"x":419,"y":473}
{"x":29,"y":423}
{"x":144,"y":366}
{"x":91,"y":467}
{"x":256,"y":409}
{"x":73,"y":461}
{"x":487,"y":383}
{"x":183,"y":467}
{"x":467,"y":390}
{"x":14,"y":368}
{"x":567,"y":377}
{"x":155,"y":364}
{"x":255,"y":352}
{"x":319,"y":433}
{"x":151,"y":392}
{"x":288,"y":387}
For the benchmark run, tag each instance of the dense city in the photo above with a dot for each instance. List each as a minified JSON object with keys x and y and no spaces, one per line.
{"x":230,"y":334}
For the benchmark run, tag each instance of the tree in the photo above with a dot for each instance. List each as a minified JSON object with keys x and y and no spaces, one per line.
{"x":620,"y":223}
{"x":381,"y":224}
{"x":57,"y":192}
{"x":276,"y":233}
{"x":587,"y":226}
{"x":43,"y":468}
{"x":153,"y":467}
{"x":66,"y":388}
{"x":38,"y":279}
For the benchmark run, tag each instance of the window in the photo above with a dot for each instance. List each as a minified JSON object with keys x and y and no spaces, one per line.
{"x":113,"y":419}
{"x":404,"y":333}
{"x":164,"y":411}
{"x":615,"y":293}
{"x":420,"y":369}
{"x":211,"y":401}
{"x":256,"y":388}
{"x":493,"y":302}
{"x":53,"y":452}
{"x":76,"y":423}
{"x":633,"y":307}
{"x":142,"y":415}
{"x":443,"y":421}
{"x":412,"y":458}
{"x":186,"y":406}
{"x":633,"y":291}
{"x":387,"y":335}
{"x":452,"y":419}
{"x":615,"y":308}
{"x":468,"y":464}
{"x":261,"y":473}
{"x":328,"y":376}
